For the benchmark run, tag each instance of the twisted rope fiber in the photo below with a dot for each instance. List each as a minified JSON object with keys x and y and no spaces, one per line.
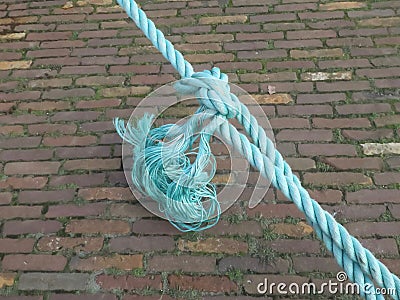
{"x":349,"y":253}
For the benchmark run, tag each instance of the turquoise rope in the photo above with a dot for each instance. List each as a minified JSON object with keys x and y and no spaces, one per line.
{"x":359,"y":263}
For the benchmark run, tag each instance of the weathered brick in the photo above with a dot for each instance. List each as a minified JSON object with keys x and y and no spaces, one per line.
{"x":70,"y":93}
{"x":372,"y":196}
{"x":387,"y":83}
{"x":53,"y":282}
{"x":16,"y":64}
{"x":129,"y":282}
{"x":123,"y":262}
{"x":322,"y":76}
{"x":113,"y":193}
{"x":185,"y":263}
{"x":244,"y":228}
{"x":69,"y":70}
{"x":349,"y":63}
{"x":98,"y":226}
{"x":100,"y":80}
{"x":12,"y":212}
{"x":387,"y":178}
{"x":8,"y":279}
{"x":30,"y":226}
{"x":316,"y":53}
{"x":45,"y":105}
{"x":56,"y":53}
{"x":304,"y":110}
{"x":223,"y":19}
{"x":213,"y":245}
{"x":371,"y":229}
{"x":377,"y":149}
{"x":368,"y":163}
{"x":87,"y":244}
{"x":294,"y":246}
{"x":216,"y":284}
{"x":55,"y":82}
{"x":348,"y":109}
{"x":16,"y":245}
{"x":327,"y":149}
{"x":379,"y":73}
{"x":27,"y":182}
{"x":341,"y":123}
{"x":362,"y":135}
{"x":289,"y":122}
{"x":52,"y":128}
{"x":92,"y":164}
{"x":342,"y":5}
{"x":24,"y":142}
{"x":83,"y":152}
{"x":34,"y":73}
{"x":304,"y":135}
{"x":81,"y":180}
{"x":34,"y":262}
{"x":69,"y":141}
{"x":71,"y":210}
{"x":336,"y":179}
{"x":5,"y":197}
{"x":320,"y":98}
{"x":158,"y":227}
{"x":379,"y":22}
{"x":31,"y":168}
{"x":25,"y":155}
{"x":326,"y":196}
{"x":295,"y":7}
{"x":142,"y":244}
{"x":35,"y":197}
{"x":275,"y":210}
{"x":315,"y":264}
{"x":97,"y":296}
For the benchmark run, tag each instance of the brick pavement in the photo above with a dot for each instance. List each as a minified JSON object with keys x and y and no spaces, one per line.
{"x":70,"y":226}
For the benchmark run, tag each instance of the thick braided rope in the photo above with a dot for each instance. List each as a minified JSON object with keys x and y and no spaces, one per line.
{"x":335,"y":236}
{"x":291,"y":187}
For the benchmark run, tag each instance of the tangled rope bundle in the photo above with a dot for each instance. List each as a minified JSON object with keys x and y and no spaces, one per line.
{"x":162,"y":168}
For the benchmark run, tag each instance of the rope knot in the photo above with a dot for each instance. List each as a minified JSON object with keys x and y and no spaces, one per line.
{"x":212,"y":90}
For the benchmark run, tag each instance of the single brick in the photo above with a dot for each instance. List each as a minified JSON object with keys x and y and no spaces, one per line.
{"x":98,"y":226}
{"x":142,"y":244}
{"x":36,"y":197}
{"x":13,"y":212}
{"x":34,"y":262}
{"x":21,"y":245}
{"x":215,"y":284}
{"x":31,"y":168}
{"x":129,"y":282}
{"x":53,"y":281}
{"x":31,"y":226}
{"x":184,"y":263}
{"x":214,"y":245}
{"x":93,"y":164}
{"x":84,"y":244}
{"x":71,"y":210}
{"x":368,"y":163}
{"x":336,"y":179}
{"x":123,"y":262}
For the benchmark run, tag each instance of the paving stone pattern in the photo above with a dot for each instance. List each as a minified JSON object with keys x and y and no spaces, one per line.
{"x":325,"y":72}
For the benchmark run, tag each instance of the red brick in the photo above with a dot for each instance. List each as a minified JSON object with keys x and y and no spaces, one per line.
{"x":349,"y":63}
{"x":97,"y":296}
{"x":381,"y":246}
{"x":387,"y":178}
{"x":98,"y":103}
{"x":304,"y":135}
{"x":123,"y":262}
{"x":55,"y":82}
{"x":52,"y":128}
{"x":63,"y":44}
{"x":332,"y":24}
{"x":356,"y":212}
{"x":373,"y":196}
{"x":71,"y":210}
{"x":341,"y":123}
{"x":125,"y":210}
{"x":83,"y":152}
{"x":97,"y":126}
{"x":142,"y":244}
{"x":360,"y":135}
{"x":21,"y":245}
{"x":58,"y":60}
{"x":129,"y":282}
{"x":289,"y":123}
{"x":28,"y":95}
{"x":69,"y":141}
{"x":371,"y":51}
{"x":92,"y":164}
{"x":13,"y":212}
{"x":31,"y":168}
{"x":298,"y":44}
{"x":115,"y":193}
{"x":386,"y":61}
{"x":48,"y":53}
{"x":45,"y":105}
{"x":387,"y":83}
{"x":327,"y":150}
{"x":213,"y":245}
{"x":243,"y":228}
{"x":70,"y":93}
{"x":315,"y":264}
{"x":68,"y":70}
{"x":275,"y":211}
{"x":321,"y":15}
{"x":294,"y":246}
{"x":105,"y":60}
{"x":326,"y":196}
{"x":158,"y":227}
{"x":320,"y":98}
{"x":36,"y":197}
{"x":343,"y":86}
{"x":98,"y":226}
{"x":290,"y":65}
{"x":302,"y":110}
{"x":216,"y":284}
{"x":32,"y":262}
{"x":379,"y":73}
{"x":363,"y":108}
{"x":5,"y":197}
{"x":371,"y":229}
{"x":350,"y":42}
{"x":100,"y":80}
{"x":295,"y":7}
{"x":23,"y":142}
{"x":81,"y":180}
{"x":26,"y":182}
{"x":26,"y":155}
{"x":277,"y":53}
{"x":86,"y":244}
{"x":184,"y":263}
{"x":30,"y":226}
{"x":336,"y":179}
{"x":366,"y":163}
